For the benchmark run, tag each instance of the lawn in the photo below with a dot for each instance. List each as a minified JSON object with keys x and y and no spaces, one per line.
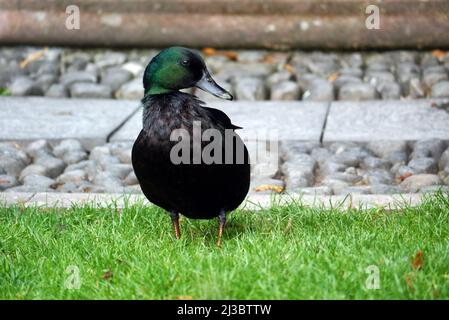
{"x":286,"y":252}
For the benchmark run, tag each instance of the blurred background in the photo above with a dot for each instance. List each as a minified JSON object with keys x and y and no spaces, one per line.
{"x":279,"y":30}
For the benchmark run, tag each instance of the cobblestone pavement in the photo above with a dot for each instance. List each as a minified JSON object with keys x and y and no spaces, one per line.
{"x":383,"y":167}
{"x":249,"y":75}
{"x":378,"y":167}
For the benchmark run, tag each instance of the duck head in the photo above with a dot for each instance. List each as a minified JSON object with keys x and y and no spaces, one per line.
{"x":178,"y":68}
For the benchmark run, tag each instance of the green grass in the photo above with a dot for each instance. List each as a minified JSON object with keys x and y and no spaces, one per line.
{"x":289,"y":252}
{"x":4,"y":92}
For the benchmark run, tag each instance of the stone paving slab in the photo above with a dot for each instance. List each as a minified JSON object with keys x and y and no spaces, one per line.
{"x":93,"y":120}
{"x":386,"y":120}
{"x":281,"y":120}
{"x":90,"y":120}
{"x":253,"y":201}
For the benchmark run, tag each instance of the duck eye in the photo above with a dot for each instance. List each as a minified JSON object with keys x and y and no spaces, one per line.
{"x":185,"y":62}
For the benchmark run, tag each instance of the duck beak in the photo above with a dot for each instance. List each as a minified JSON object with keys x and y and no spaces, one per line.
{"x":208,"y":84}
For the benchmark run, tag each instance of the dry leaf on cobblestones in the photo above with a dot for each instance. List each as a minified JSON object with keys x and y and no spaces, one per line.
{"x":209,"y":51}
{"x":33,"y":57}
{"x":334,"y":76}
{"x":289,"y":68}
{"x":232,"y":55}
{"x":269,"y":59}
{"x":404,"y":176}
{"x":439,"y":54}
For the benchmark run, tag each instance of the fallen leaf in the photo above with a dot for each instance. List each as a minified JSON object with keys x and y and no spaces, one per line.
{"x":289,"y":68}
{"x":265,"y":187}
{"x":209,"y":51}
{"x":334,"y":76}
{"x":405,"y":176}
{"x":184,"y":297}
{"x":409,"y":279}
{"x":269,"y":59}
{"x":56,"y":185}
{"x":361,"y":183}
{"x":418,"y":261}
{"x":230,"y":54}
{"x":107,"y":275}
{"x":33,"y":57}
{"x":439,"y":54}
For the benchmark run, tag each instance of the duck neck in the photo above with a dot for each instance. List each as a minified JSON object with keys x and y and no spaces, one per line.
{"x":153,"y":90}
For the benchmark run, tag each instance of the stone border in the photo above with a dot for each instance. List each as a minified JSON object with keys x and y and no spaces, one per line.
{"x":253,"y":201}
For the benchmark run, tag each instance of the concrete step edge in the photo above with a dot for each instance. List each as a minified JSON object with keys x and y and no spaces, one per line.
{"x":253,"y":201}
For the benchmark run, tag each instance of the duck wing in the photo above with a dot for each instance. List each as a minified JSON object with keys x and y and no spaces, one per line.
{"x":221,"y":117}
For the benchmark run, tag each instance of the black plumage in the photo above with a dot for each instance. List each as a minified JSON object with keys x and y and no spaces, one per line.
{"x":200,"y":191}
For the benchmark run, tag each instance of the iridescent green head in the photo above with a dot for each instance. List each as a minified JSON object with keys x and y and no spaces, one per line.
{"x":178,"y":68}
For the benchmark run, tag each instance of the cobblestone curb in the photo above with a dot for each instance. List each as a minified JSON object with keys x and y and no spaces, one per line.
{"x":253,"y":202}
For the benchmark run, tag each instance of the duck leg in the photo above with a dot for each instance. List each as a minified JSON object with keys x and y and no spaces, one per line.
{"x":175,"y":221}
{"x":222,"y":219}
